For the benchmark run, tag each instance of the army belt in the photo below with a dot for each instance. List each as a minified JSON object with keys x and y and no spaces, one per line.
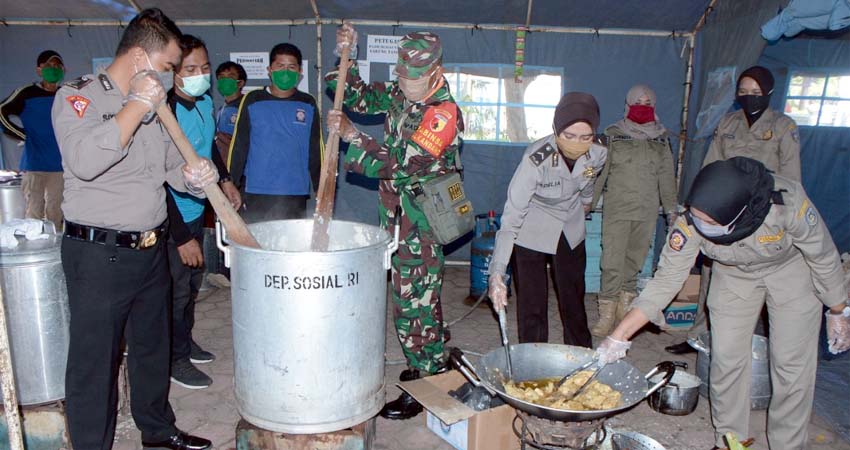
{"x":136,"y":240}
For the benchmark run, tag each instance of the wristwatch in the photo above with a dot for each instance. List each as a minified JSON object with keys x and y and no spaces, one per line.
{"x":844,"y":312}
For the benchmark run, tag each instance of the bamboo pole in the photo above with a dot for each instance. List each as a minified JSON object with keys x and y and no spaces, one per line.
{"x":327,"y":183}
{"x":235,"y":226}
{"x":689,"y":80}
{"x":364,"y":22}
{"x":7,"y":380}
{"x":319,"y":77}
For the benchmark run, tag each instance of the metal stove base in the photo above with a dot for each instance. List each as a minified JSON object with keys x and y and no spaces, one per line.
{"x":358,"y":437}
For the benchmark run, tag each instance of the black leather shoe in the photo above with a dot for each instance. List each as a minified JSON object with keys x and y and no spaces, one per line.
{"x":180,"y":441}
{"x":680,"y":348}
{"x":409,"y":375}
{"x":402,"y":408}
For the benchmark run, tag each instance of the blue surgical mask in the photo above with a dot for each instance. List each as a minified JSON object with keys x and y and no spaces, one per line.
{"x":195,"y":85}
{"x":710,"y":230}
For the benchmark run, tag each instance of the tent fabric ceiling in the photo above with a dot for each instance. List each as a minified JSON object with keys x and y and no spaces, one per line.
{"x":680,"y":15}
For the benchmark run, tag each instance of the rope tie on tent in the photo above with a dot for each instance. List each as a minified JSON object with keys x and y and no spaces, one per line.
{"x":596,"y":31}
{"x":3,"y":21}
{"x":290,"y":32}
{"x":233,"y":27}
{"x":395,"y":27}
{"x":69,"y":28}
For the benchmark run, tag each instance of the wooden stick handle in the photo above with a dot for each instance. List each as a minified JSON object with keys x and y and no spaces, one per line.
{"x":235,"y":226}
{"x":327,"y":181}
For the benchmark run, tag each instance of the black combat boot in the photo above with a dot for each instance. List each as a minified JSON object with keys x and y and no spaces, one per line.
{"x":405,"y":406}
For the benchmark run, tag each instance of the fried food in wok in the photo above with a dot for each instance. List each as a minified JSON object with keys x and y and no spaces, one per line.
{"x":596,"y":396}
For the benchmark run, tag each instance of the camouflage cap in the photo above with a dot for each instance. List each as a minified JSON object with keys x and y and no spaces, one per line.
{"x":418,"y":52}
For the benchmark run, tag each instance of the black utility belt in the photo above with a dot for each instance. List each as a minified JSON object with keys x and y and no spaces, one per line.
{"x":136,"y":240}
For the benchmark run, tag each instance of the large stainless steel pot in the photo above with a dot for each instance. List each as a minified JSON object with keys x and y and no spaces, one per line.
{"x":760,"y":390}
{"x":12,"y":202}
{"x":37,"y":315}
{"x":309,"y":328}
{"x":537,"y":361}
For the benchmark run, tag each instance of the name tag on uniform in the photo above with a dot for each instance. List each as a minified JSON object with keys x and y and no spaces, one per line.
{"x":771,"y":237}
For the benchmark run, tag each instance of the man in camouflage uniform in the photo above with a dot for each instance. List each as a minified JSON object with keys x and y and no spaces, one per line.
{"x":422,"y":134}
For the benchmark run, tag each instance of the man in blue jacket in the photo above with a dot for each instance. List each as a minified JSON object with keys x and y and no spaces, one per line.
{"x":275,"y":153}
{"x":41,"y":161}
{"x":193,"y":107}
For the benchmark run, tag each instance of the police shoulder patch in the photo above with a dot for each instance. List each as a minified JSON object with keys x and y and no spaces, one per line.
{"x":79,"y":83}
{"x":677,"y":240}
{"x":540,"y":155}
{"x":795,"y":132}
{"x":811,"y":216}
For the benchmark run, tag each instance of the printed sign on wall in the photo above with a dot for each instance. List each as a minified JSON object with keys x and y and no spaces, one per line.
{"x":255,"y":64}
{"x":382,"y":49}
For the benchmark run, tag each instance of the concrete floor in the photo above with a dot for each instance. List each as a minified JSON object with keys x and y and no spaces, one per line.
{"x":212,"y":412}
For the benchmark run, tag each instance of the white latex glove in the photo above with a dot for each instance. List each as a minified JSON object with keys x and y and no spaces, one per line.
{"x":146,"y":88}
{"x":199,"y":176}
{"x":338,"y":123}
{"x":837,"y":332}
{"x":346,"y":36}
{"x":498,"y":292}
{"x":611,"y":350}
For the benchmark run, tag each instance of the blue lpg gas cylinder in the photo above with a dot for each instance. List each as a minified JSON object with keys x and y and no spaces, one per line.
{"x":483,"y":242}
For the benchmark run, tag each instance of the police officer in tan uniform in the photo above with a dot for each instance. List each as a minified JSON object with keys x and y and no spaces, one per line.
{"x":765,"y":236}
{"x":638,"y":176}
{"x":758,"y":132}
{"x":548,"y":197}
{"x":116,"y":157}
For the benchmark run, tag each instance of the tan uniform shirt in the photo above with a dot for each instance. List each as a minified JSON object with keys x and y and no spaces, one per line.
{"x":545,"y":200}
{"x":638,"y":175}
{"x":773,"y":140}
{"x":105,"y":185}
{"x":792,"y":234}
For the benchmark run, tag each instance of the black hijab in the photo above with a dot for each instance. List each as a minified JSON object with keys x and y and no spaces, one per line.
{"x":723,"y":188}
{"x":755,"y":105}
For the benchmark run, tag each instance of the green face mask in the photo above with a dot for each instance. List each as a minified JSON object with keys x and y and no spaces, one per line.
{"x":227,"y":86}
{"x":285,"y":79}
{"x":52,"y":74}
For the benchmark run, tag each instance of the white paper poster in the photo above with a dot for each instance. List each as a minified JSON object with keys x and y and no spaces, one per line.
{"x":255,"y":63}
{"x":304,"y":84}
{"x":382,"y":49}
{"x":364,"y":67}
{"x":393,"y":76}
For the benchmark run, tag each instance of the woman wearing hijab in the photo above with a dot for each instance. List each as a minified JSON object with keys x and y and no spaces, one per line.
{"x":765,"y":236}
{"x":758,"y":132}
{"x":638,"y":175}
{"x":543,"y":220}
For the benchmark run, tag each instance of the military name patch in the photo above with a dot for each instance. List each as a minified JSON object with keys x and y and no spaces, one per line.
{"x":677,"y":240}
{"x":811,"y":216}
{"x":728,"y":136}
{"x":771,"y":237}
{"x":79,"y":103}
{"x":437,"y":129}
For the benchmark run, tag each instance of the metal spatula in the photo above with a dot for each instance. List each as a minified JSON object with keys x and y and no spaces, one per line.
{"x":503,"y":326}
{"x":585,"y":385}
{"x":584,"y":366}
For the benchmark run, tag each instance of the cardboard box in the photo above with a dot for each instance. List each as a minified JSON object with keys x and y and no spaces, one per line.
{"x":456,"y":423}
{"x":690,"y":290}
{"x":680,"y":314}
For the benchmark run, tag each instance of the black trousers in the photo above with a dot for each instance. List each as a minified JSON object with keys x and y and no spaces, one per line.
{"x":185,"y":285}
{"x":262,"y":208}
{"x":110,"y":288}
{"x":532,"y":291}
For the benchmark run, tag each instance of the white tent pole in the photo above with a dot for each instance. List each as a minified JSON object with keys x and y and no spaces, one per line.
{"x":528,"y":14}
{"x":319,"y":78}
{"x":292,"y":22}
{"x":134,"y":5}
{"x":689,"y":80}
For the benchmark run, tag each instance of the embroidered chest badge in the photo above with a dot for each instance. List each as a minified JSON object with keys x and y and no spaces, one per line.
{"x":301,"y":115}
{"x":589,"y":172}
{"x":677,"y":240}
{"x":767,"y":135}
{"x":79,"y":103}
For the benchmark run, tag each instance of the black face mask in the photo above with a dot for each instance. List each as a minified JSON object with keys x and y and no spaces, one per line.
{"x":753,"y":106}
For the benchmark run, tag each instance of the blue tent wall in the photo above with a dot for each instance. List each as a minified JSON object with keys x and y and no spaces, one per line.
{"x":605,"y":66}
{"x":825,"y":151}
